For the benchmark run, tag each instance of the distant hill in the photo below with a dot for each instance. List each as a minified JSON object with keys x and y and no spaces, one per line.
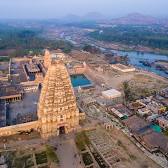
{"x":136,"y":19}
{"x":130,"y":19}
{"x":92,"y":16}
{"x":95,"y":16}
{"x":71,"y":18}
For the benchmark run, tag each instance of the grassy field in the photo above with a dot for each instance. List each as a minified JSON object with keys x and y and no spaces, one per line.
{"x":81,"y":141}
{"x":51,"y":155}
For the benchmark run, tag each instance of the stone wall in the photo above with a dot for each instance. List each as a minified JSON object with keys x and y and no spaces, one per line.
{"x":14,"y":129}
{"x":76,"y":70}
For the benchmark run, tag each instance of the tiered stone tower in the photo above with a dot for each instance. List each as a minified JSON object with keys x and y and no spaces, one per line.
{"x":57,"y":109}
{"x":47,"y":59}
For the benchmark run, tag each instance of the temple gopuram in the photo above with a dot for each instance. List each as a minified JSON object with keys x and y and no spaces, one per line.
{"x":47,"y":59}
{"x":57,"y":110}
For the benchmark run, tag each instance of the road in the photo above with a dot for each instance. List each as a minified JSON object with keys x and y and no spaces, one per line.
{"x":67,"y":153}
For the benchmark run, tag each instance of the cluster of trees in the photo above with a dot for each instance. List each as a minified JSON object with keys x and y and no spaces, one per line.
{"x":25,"y":41}
{"x":113,"y":59}
{"x":132,"y":93}
{"x":91,"y":49}
{"x":128,"y":96}
{"x":154,"y":37}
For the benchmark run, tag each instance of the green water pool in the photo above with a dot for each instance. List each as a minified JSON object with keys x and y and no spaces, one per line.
{"x":80,"y":80}
{"x":156,"y":128}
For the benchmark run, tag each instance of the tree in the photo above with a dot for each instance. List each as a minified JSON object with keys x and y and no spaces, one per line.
{"x":128,"y":95}
{"x":92,"y":49}
{"x":21,"y":41}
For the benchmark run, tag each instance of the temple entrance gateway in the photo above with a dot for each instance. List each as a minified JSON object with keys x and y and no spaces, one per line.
{"x":55,"y":112}
{"x":61,"y":130}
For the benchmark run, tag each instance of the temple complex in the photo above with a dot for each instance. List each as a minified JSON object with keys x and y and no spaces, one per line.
{"x":57,"y":110}
{"x":39,"y":96}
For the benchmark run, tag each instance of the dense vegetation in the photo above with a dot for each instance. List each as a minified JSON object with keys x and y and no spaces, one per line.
{"x":127,"y":92}
{"x":84,"y":24}
{"x":155,"y":36}
{"x":91,"y":49}
{"x":26,"y":41}
{"x":133,"y":91}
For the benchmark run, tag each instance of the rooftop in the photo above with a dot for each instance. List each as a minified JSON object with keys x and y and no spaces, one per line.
{"x":25,"y":110}
{"x":135,"y":123}
{"x":112,"y":93}
{"x":156,"y":140}
{"x":4,"y":69}
{"x":18,"y":74}
{"x":10,"y":90}
{"x":152,"y":139}
{"x":31,"y":67}
{"x":123,"y":68}
{"x":123,"y":109}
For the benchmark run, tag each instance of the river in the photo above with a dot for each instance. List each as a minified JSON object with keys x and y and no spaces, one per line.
{"x":136,"y":57}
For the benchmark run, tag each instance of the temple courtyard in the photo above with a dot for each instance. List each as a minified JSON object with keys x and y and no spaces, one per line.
{"x":25,"y":110}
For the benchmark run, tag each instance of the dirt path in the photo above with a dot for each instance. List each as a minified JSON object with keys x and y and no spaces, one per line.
{"x":67,"y":153}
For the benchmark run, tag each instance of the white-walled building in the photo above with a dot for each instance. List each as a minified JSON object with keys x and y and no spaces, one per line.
{"x":123,"y":68}
{"x":111,"y":94}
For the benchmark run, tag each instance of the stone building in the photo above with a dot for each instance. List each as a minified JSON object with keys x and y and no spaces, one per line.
{"x":11,"y":93}
{"x":57,"y":109}
{"x":59,"y":54}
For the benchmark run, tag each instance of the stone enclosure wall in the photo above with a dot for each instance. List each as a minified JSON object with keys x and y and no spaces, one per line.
{"x":14,"y":129}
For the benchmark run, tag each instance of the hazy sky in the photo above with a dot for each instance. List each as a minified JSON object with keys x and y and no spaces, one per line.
{"x":59,"y":8}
